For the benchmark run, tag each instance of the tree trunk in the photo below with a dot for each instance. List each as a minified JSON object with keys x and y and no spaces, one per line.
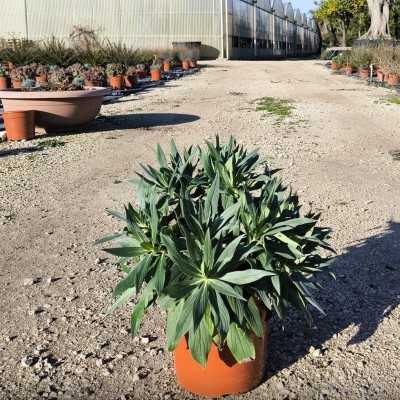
{"x":379,"y":10}
{"x":344,"y":36}
{"x":332,"y":34}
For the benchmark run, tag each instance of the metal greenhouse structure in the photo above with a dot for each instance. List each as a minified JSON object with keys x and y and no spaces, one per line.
{"x":233,"y":29}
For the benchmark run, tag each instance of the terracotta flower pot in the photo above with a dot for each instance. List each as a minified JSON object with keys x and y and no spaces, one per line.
{"x":334,"y":66}
{"x":20,"y":125}
{"x":41,"y":79}
{"x":130,"y":81}
{"x":222,"y":374}
{"x":16,"y":84}
{"x":193,"y":63}
{"x":57,"y":110}
{"x":185,"y":65}
{"x":117,"y":82}
{"x":155,"y":75}
{"x":4,"y":83}
{"x":348,"y":71}
{"x":167,"y":66}
{"x":393,"y":79}
{"x":363,"y":73}
{"x":380,"y":76}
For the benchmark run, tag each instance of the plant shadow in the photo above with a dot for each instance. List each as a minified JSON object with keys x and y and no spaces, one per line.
{"x":365,"y":292}
{"x":18,"y":151}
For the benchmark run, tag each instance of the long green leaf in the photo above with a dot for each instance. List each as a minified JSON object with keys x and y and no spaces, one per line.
{"x":200,"y":341}
{"x":240,"y":345}
{"x":246,"y":277}
{"x":224,"y":288}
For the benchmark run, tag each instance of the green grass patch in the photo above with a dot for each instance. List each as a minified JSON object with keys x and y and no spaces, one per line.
{"x":394,"y":100}
{"x":279,"y":108}
{"x":50,"y":143}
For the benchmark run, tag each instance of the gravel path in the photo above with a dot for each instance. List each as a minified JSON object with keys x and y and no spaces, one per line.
{"x":54,"y":284}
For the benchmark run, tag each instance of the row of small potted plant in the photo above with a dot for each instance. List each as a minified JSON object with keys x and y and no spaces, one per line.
{"x":116,"y":75}
{"x":384,"y":61}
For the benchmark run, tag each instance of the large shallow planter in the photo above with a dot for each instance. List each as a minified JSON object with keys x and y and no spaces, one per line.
{"x":57,"y":110}
{"x":20,"y":125}
{"x":222,"y":374}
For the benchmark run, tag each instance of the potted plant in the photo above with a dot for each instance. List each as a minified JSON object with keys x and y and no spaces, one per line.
{"x":41,"y":72}
{"x":61,"y":104}
{"x":130,"y":77}
{"x":94,"y":76}
{"x":19,"y":125}
{"x":17,"y":76}
{"x":155,"y":70}
{"x":219,"y":246}
{"x":4,"y":78}
{"x":335,"y":66}
{"x":116,"y":73}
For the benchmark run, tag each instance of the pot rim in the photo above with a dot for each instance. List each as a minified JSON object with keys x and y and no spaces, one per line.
{"x":17,"y":94}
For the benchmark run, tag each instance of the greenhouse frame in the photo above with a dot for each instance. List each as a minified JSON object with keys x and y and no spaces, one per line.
{"x":232,"y":29}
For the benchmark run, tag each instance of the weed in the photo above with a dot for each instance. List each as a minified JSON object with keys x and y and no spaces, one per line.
{"x":50,"y":143}
{"x":394,"y":100}
{"x":280,"y":108}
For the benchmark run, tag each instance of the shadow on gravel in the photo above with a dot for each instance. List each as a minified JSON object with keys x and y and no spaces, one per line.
{"x":131,"y":121}
{"x":18,"y":151}
{"x":366,"y":291}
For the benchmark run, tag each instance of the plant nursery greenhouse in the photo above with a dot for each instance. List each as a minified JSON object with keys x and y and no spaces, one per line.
{"x":234,"y":29}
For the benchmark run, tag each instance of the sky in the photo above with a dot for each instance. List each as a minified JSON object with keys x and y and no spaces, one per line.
{"x":304,"y":5}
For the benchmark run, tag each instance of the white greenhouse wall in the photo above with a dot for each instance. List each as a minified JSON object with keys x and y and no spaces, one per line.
{"x":226,"y":28}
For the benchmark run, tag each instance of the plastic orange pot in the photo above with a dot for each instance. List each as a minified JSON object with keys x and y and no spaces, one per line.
{"x":41,"y":79}
{"x":393,"y":79}
{"x":16,"y":84}
{"x":117,"y":82}
{"x":20,"y":125}
{"x":222,"y":374}
{"x":185,"y":65}
{"x":4,"y":83}
{"x":167,"y":66}
{"x":155,"y":75}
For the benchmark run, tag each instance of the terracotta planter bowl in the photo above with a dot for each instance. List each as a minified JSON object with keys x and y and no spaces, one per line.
{"x":57,"y":110}
{"x":380,"y":76}
{"x":222,"y":374}
{"x":348,"y":71}
{"x":393,"y":79}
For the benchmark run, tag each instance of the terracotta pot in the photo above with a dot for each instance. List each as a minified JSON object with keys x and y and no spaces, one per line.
{"x":380,"y":76}
{"x":130,"y":81}
{"x":167,"y":66}
{"x":193,"y":63}
{"x":393,"y":79}
{"x":348,"y":71}
{"x":16,"y":84}
{"x":155,"y":75}
{"x":117,"y":82}
{"x":363,"y":73}
{"x":222,"y":374}
{"x":334,"y":66}
{"x":20,"y":125}
{"x":57,"y":110}
{"x":4,"y":83}
{"x":185,"y":65}
{"x":41,"y":79}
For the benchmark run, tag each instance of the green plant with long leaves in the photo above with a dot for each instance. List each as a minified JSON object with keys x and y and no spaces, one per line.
{"x":218,"y":242}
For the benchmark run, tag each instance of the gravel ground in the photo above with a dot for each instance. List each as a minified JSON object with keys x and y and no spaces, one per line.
{"x":335,"y":150}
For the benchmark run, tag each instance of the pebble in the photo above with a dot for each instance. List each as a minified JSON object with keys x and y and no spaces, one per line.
{"x":37,"y":310}
{"x":30,"y":281}
{"x":144,"y":340}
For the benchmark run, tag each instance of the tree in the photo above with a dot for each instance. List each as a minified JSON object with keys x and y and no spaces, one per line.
{"x":379,"y":10}
{"x":339,"y":13}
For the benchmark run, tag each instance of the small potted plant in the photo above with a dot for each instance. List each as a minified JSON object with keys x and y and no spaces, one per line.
{"x":335,"y":66}
{"x":155,"y":70}
{"x":115,"y":73}
{"x":94,"y":76}
{"x":4,"y":78}
{"x":41,"y":72}
{"x":219,"y":243}
{"x":17,"y":76}
{"x":130,"y":77}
